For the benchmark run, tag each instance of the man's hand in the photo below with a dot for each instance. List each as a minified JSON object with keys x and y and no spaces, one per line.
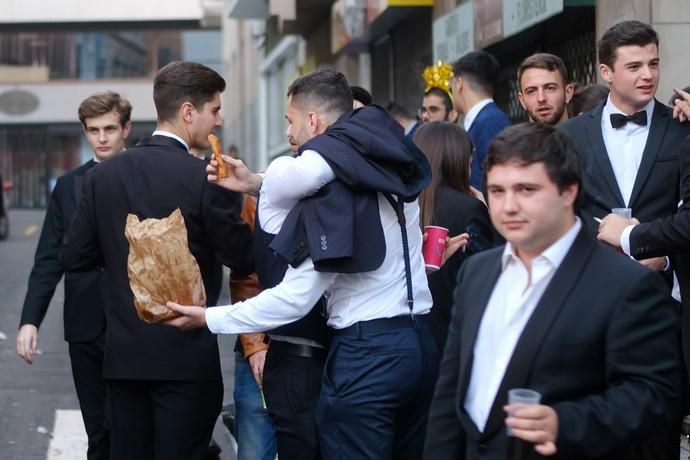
{"x":193,"y":317}
{"x":256,"y":362}
{"x":611,"y":228}
{"x":658,"y":264}
{"x":240,"y":178}
{"x":537,"y":424}
{"x":681,"y":106}
{"x":27,"y":342}
{"x":453,"y":244}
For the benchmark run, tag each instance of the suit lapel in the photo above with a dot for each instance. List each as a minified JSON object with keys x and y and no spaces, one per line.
{"x":657,"y":131}
{"x":555,"y":296}
{"x":600,"y":155}
{"x":471,"y":321}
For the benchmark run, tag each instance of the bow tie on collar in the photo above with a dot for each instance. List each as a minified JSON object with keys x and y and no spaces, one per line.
{"x":618,"y":120}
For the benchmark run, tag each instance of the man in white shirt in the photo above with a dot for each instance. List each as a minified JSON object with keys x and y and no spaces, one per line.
{"x":559,"y":313}
{"x":379,"y":373}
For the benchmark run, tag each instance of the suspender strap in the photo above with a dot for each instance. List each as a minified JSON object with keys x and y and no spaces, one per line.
{"x":399,"y":207}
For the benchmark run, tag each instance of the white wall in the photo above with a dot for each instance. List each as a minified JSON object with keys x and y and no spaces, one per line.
{"x":51,"y":11}
{"x":58,"y":101}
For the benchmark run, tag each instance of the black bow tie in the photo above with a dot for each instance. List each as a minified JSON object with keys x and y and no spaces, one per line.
{"x":618,"y":120}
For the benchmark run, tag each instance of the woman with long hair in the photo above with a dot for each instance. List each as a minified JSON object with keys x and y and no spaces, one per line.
{"x":450,"y":202}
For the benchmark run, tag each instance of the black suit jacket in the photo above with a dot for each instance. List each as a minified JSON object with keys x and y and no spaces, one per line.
{"x":83,"y":310}
{"x":151,"y":180}
{"x":670,"y":236}
{"x":600,"y":347}
{"x":655,"y":192}
{"x":459,"y":213}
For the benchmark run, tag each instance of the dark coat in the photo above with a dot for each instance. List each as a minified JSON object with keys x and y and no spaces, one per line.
{"x":152,"y":180}
{"x":83,"y":310}
{"x":490,"y":121}
{"x":601,"y":347}
{"x":670,"y":236}
{"x":339,"y":227}
{"x":655,"y":192}
{"x":459,"y":213}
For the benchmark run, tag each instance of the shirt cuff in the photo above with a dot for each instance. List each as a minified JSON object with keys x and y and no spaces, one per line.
{"x":217,"y":319}
{"x":625,"y":239}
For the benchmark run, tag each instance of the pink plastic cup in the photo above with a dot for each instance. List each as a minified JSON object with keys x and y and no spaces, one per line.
{"x":433,"y":248}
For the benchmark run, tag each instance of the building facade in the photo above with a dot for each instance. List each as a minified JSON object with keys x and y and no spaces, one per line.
{"x":384,"y":45}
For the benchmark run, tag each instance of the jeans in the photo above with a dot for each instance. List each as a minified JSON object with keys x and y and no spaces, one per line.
{"x":256,"y":439}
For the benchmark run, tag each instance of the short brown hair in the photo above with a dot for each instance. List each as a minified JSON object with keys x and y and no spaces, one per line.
{"x":546,"y":61}
{"x":182,"y":81}
{"x":528,"y":143}
{"x":99,"y":104}
{"x":626,"y":33}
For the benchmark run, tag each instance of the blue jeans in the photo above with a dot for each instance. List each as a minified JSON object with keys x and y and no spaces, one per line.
{"x":256,"y":439}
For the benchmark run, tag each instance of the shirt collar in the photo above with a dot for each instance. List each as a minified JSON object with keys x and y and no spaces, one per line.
{"x":410,"y":127}
{"x":174,"y":136}
{"x":554,"y":254}
{"x":474,"y":111}
{"x":610,"y":108}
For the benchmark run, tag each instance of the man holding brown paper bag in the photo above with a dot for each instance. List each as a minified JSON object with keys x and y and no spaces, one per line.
{"x":165,"y":385}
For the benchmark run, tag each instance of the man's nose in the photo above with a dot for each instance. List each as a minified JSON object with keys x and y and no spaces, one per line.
{"x":510,"y":204}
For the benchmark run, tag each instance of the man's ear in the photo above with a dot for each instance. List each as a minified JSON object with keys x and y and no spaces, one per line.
{"x":605,"y":72}
{"x":126,"y":129}
{"x":453,"y":116}
{"x":187,"y":110}
{"x":522,"y":102}
{"x":569,"y":91}
{"x":313,"y":122}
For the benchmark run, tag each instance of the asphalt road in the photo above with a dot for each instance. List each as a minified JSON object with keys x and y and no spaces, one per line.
{"x":30,"y":395}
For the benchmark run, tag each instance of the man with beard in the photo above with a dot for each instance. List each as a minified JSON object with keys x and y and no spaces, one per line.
{"x":544,"y":88}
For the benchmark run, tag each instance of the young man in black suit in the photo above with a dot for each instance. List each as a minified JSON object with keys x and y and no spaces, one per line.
{"x":105,"y":118}
{"x":609,"y":384}
{"x":165,"y":386}
{"x":629,"y":144}
{"x":668,"y":236}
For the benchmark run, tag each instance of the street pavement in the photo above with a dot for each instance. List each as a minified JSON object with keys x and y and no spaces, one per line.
{"x":33,"y":397}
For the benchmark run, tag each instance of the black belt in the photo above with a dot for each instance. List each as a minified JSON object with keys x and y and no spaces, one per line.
{"x":376,"y":326}
{"x":297,"y":349}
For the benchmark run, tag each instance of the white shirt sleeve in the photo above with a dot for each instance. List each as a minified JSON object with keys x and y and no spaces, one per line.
{"x":289,"y":179}
{"x":287,"y":302}
{"x":625,"y":239}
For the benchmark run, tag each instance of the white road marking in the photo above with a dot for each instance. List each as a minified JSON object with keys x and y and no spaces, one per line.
{"x":69,"y":440}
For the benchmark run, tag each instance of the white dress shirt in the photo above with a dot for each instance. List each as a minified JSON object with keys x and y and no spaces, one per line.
{"x":511,"y":304}
{"x":380,"y":293}
{"x":474,"y":111}
{"x":625,"y":146}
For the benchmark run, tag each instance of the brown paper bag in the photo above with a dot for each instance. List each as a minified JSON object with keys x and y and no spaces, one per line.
{"x":161,"y":267}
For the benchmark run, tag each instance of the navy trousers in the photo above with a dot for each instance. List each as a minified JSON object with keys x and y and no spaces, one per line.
{"x":377,"y":386}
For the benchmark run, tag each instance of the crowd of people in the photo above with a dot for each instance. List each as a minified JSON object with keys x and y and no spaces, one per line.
{"x":348,"y":347}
